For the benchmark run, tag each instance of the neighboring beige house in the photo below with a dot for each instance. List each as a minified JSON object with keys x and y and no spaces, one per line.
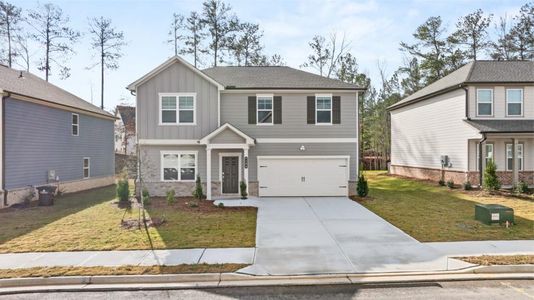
{"x":484,"y":107}
{"x":125,"y":142}
{"x":282,"y":131}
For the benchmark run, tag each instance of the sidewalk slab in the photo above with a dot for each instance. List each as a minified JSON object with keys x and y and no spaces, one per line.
{"x":115,"y":258}
{"x":223,"y":255}
{"x":173,"y":257}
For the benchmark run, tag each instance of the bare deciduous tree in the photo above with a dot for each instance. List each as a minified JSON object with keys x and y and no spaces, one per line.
{"x":175,"y":32}
{"x":326,"y":54}
{"x":10,"y":18}
{"x":56,"y":37}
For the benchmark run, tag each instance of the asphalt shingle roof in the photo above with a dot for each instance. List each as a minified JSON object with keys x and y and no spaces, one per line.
{"x":504,"y":126}
{"x":273,"y":77}
{"x":476,"y":72}
{"x":35,"y":87}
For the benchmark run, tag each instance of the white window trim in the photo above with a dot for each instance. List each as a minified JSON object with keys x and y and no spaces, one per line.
{"x":331,"y":108}
{"x":486,"y":156}
{"x":522,"y":165}
{"x":179,"y":153}
{"x":230,"y":154}
{"x":258,"y":96}
{"x":522,"y":102}
{"x":88,"y":167}
{"x":73,"y":124}
{"x":178,"y":95}
{"x":492,"y":103}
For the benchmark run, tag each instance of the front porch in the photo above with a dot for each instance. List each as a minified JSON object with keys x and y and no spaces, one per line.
{"x":230,"y":146}
{"x":513,"y":155}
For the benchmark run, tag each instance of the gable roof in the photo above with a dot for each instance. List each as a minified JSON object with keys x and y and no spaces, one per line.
{"x":175,"y":59}
{"x":473,"y":73}
{"x":127,"y":114}
{"x":274,"y":77}
{"x":26,"y":84}
{"x":502,"y":126}
{"x":248,"y":140}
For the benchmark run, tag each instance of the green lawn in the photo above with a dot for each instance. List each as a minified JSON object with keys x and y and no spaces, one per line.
{"x":90,"y":221}
{"x":431,"y":213}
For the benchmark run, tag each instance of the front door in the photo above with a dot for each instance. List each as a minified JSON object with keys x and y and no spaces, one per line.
{"x":230,"y":175}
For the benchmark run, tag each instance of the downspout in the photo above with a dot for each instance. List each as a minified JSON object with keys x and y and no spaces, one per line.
{"x":3,"y":169}
{"x":480,"y":159}
{"x":466,"y":101}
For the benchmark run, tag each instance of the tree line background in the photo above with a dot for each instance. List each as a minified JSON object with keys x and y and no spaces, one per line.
{"x":214,"y":36}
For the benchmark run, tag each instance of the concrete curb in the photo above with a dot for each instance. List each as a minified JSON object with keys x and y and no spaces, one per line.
{"x":213,"y":280}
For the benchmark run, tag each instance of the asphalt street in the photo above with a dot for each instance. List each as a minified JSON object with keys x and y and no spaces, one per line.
{"x":441,"y":290}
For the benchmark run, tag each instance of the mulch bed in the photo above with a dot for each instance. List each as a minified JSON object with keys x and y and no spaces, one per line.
{"x":190,"y":204}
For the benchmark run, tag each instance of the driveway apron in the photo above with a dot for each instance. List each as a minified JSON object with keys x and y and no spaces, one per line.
{"x":328,"y":235}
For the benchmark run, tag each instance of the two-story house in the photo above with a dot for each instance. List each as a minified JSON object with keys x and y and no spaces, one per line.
{"x":282,"y":131}
{"x":49,"y":136}
{"x":451,"y":128}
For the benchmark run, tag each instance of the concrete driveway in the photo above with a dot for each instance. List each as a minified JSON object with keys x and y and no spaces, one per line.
{"x":318,"y":235}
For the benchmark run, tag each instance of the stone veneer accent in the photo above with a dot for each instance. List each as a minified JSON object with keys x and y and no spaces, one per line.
{"x":20,"y":194}
{"x":352,"y":188}
{"x":185,"y":189}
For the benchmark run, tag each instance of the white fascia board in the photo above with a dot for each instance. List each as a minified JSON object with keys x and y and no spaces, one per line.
{"x":305,"y":140}
{"x":163,"y":142}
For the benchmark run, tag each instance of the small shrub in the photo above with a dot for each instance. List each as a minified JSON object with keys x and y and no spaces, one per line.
{"x":192,"y":204}
{"x":243,"y":188}
{"x":441,"y":182}
{"x":467,"y":186}
{"x":491,"y":181}
{"x":362,"y":188}
{"x":198,"y":192}
{"x":450,"y":184}
{"x":521,"y":188}
{"x":123,"y":190}
{"x":170,"y":197}
{"x":145,"y":197}
{"x":220,"y":205}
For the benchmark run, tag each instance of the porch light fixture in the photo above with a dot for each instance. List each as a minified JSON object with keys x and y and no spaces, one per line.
{"x":302,"y":148}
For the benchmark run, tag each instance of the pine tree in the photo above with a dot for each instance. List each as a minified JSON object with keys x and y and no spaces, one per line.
{"x":194,"y":37}
{"x":10,"y":18}
{"x":217,"y":20}
{"x":472,"y":32}
{"x":491,"y":180}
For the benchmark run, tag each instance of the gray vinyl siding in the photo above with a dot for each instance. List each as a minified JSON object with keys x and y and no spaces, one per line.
{"x":234,"y":110}
{"x":176,"y":79}
{"x":267,"y":149}
{"x":38,"y":138}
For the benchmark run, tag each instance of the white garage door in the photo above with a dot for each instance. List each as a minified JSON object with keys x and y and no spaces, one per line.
{"x":303,"y":176}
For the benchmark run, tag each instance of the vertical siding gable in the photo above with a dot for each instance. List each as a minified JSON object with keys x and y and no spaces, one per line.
{"x":175,"y":79}
{"x":38,"y":139}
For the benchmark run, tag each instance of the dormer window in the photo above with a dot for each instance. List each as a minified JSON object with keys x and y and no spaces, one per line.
{"x":484,"y":102}
{"x":514,"y":102}
{"x":177,"y":109}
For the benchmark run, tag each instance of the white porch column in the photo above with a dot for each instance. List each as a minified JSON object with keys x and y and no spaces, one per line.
{"x":246,"y":164}
{"x":208,"y":172}
{"x":515,"y":163}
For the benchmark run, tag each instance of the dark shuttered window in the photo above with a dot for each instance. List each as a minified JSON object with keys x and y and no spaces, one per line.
{"x":311,"y":109}
{"x":277,"y":110}
{"x":252,"y":109}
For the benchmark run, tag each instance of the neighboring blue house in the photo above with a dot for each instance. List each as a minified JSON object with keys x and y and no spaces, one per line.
{"x":50,"y":136}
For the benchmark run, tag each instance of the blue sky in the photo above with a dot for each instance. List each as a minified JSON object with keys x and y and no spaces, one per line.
{"x":375,"y":29}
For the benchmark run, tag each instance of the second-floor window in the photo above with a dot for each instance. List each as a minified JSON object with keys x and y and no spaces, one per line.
{"x":323,"y":109}
{"x":75,"y":129}
{"x":514,"y":102}
{"x":265,"y":110}
{"x":177,"y":109}
{"x":484,"y":102}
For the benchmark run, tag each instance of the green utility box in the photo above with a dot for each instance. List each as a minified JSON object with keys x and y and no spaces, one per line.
{"x":494,"y":213}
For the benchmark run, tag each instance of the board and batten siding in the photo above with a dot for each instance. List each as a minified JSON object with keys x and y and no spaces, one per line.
{"x":423,"y":131}
{"x":177,"y":78}
{"x":39,"y":138}
{"x":499,"y":101}
{"x":234,"y":110}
